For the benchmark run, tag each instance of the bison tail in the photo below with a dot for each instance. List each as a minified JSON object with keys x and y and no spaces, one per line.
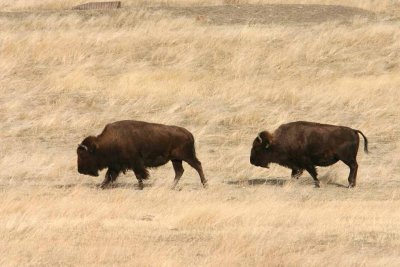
{"x":365,"y":141}
{"x":194,"y":150}
{"x":192,"y":145}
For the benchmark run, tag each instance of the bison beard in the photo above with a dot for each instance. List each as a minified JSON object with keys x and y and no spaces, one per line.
{"x":136,"y":145}
{"x":304,"y":145}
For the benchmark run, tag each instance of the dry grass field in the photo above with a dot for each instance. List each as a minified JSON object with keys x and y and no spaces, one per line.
{"x":224,"y":73}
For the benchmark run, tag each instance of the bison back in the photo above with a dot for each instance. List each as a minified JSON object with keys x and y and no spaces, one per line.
{"x":151,"y":141}
{"x":323,"y":144}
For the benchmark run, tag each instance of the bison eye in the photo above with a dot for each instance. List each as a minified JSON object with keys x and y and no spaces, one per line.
{"x":259,"y":149}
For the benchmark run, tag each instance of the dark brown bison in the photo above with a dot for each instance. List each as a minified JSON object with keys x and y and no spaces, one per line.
{"x":303,"y":145}
{"x":136,"y":145}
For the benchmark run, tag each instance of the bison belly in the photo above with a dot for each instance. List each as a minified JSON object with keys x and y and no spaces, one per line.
{"x":326,"y":158}
{"x":155,"y":161}
{"x":324,"y":161}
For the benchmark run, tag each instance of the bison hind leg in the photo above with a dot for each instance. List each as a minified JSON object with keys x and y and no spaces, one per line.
{"x":353,"y":165}
{"x":178,"y":168}
{"x":196,"y":164}
{"x":187,"y":153}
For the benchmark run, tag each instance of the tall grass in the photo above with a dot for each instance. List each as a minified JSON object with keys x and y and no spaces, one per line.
{"x":374,"y":5}
{"x":64,"y":76}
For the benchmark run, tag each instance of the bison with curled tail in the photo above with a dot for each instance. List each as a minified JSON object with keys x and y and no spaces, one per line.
{"x":304,"y":145}
{"x":136,"y":145}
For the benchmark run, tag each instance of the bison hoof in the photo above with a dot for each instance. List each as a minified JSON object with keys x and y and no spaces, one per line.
{"x":103,"y":186}
{"x":316,"y":186}
{"x":351,"y":186}
{"x":176,"y":188}
{"x":205,"y":185}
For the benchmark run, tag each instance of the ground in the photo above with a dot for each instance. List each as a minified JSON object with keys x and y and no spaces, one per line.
{"x":225,"y":73}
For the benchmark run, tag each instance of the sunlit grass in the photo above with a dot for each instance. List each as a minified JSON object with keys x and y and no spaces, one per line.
{"x":64,"y":76}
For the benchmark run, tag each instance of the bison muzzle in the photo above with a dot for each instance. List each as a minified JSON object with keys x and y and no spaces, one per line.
{"x":304,"y":145}
{"x":136,"y":145}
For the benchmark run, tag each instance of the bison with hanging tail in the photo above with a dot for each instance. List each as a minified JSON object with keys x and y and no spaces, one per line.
{"x":136,"y":145}
{"x":304,"y":145}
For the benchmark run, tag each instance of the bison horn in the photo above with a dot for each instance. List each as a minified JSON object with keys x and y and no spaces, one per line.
{"x":83,"y":147}
{"x":259,"y":138}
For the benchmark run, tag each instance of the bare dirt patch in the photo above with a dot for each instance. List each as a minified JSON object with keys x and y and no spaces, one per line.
{"x":226,"y":14}
{"x":263,"y":14}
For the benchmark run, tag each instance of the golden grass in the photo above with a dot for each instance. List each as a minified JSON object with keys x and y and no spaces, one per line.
{"x":375,"y":5}
{"x":64,"y":76}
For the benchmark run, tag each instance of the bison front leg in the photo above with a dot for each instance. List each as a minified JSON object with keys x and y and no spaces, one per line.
{"x":313,"y":172}
{"x":178,"y":168}
{"x":110,"y":177}
{"x":296,"y":173}
{"x":141,"y":174}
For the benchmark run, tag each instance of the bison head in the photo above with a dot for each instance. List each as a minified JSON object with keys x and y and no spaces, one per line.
{"x":261,"y":152}
{"x":87,"y":158}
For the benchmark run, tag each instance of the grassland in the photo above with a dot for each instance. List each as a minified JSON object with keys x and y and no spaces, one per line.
{"x":65,"y":74}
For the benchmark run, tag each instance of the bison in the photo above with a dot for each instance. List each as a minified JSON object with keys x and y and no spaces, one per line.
{"x":304,"y":145}
{"x":137,"y":145}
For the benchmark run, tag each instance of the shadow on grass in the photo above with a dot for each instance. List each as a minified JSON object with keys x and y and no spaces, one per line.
{"x":97,"y":186}
{"x":259,"y":181}
{"x":336,"y":184}
{"x":275,"y":182}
